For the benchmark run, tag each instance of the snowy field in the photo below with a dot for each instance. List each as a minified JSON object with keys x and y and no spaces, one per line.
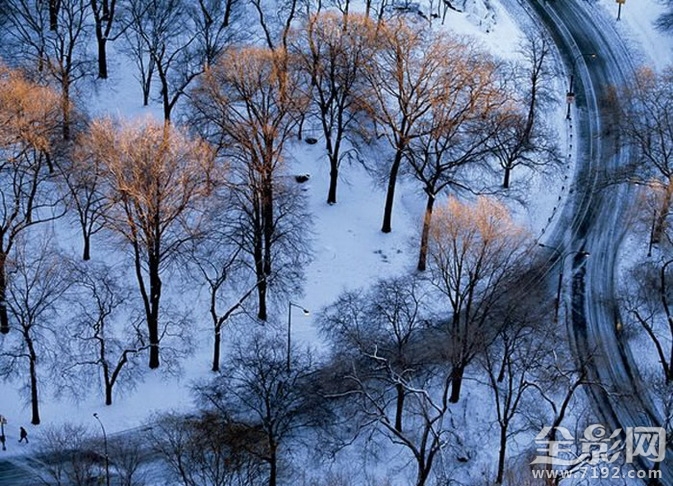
{"x":350,"y":251}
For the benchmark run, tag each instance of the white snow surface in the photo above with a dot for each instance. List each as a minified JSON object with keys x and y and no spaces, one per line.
{"x":349,"y":249}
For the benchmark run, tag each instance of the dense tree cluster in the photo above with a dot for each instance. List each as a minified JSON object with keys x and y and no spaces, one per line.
{"x":162,"y":207}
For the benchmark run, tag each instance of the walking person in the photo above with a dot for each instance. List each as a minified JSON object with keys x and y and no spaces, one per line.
{"x":23,"y":434}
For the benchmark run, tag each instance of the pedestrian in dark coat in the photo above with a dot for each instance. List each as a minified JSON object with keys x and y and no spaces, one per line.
{"x":23,"y":434}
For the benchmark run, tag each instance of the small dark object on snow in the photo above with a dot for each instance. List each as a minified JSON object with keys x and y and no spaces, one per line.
{"x":302,"y":178}
{"x":23,"y":434}
{"x":311,"y":140}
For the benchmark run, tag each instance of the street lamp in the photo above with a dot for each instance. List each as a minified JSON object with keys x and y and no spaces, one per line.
{"x":619,"y":8}
{"x":289,"y":328}
{"x":562,"y":257}
{"x":3,"y":439}
{"x":107,"y":457}
{"x":570,"y":96}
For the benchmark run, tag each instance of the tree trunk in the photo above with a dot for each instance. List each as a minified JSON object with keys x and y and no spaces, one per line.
{"x":34,"y":402}
{"x":153,"y":318}
{"x":425,"y":233}
{"x":54,"y":6}
{"x":216,"y":350}
{"x":86,"y":254}
{"x":102,"y":54}
{"x":258,"y":255}
{"x":147,"y":88}
{"x":4,"y":318}
{"x":165,"y":99}
{"x":66,"y":107}
{"x":456,"y":383}
{"x":273,"y":465}
{"x":227,"y":13}
{"x":333,"y":150}
{"x":660,"y":225}
{"x":108,"y":394}
{"x":399,"y":411}
{"x":390,"y":195}
{"x":333,"y":179}
{"x":423,"y":473}
{"x":268,"y":218}
{"x":508,"y":172}
{"x":501,"y":454}
{"x":300,"y":126}
{"x":152,"y":304}
{"x":261,"y":296}
{"x":32,"y":360}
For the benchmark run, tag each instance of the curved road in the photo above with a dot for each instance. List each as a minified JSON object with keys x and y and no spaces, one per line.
{"x":595,"y":217}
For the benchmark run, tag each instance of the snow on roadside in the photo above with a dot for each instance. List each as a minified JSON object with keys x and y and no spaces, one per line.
{"x":637,"y":28}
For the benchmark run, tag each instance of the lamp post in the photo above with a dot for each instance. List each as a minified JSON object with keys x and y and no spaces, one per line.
{"x":619,"y":8}
{"x":570,"y":96}
{"x":289,"y":328}
{"x":3,"y":439}
{"x":107,"y":457}
{"x":562,"y":257}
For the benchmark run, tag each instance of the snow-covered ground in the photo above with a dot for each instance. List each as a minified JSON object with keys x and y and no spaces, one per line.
{"x":636,"y":26}
{"x":350,"y":251}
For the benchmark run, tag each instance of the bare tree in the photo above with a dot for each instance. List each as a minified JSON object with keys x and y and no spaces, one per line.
{"x":649,"y":306}
{"x":60,"y":55}
{"x":218,"y":24}
{"x":67,"y":458}
{"x":523,"y":137}
{"x":128,"y":457}
{"x":385,"y":352}
{"x":474,"y":250}
{"x":404,"y":82}
{"x":665,"y":20}
{"x":83,"y":179}
{"x":275,"y":19}
{"x":159,"y":181}
{"x":218,"y":262}
{"x":452,"y":143}
{"x":258,"y":391}
{"x":29,"y":122}
{"x":162,"y":28}
{"x":101,"y":348}
{"x":558,"y":386}
{"x":104,"y":16}
{"x":333,"y":50}
{"x":426,"y":406}
{"x":247,"y":105}
{"x":180,"y":40}
{"x":37,"y":282}
{"x":377,"y":8}
{"x":135,"y":48}
{"x":71,"y":455}
{"x":389,"y":318}
{"x":511,"y":365}
{"x":645,"y":123}
{"x":207,"y":450}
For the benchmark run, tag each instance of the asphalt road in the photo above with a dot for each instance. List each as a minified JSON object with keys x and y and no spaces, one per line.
{"x":595,"y":218}
{"x":13,"y":474}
